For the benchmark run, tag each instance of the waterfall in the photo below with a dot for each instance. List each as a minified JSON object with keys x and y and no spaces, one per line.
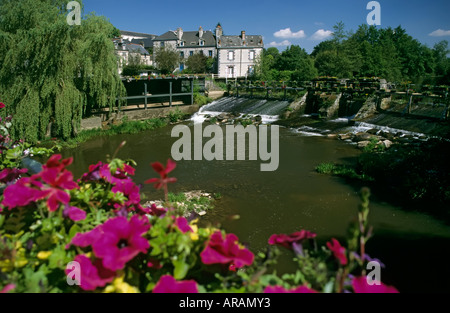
{"x":269,"y":110}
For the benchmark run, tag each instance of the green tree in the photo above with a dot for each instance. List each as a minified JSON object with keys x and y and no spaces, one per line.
{"x":52,"y":73}
{"x":197,"y":63}
{"x":134,"y":66}
{"x":167,"y":59}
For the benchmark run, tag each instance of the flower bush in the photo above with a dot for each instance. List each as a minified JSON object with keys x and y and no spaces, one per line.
{"x":49,"y":222}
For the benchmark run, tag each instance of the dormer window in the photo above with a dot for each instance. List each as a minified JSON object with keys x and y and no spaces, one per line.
{"x":202,"y":43}
{"x":181,"y":43}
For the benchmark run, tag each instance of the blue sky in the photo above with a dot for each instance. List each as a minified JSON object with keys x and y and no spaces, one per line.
{"x":298,"y":22}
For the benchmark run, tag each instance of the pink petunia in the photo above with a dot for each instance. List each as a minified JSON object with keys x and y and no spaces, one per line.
{"x":168,"y":284}
{"x":360,"y":285}
{"x":155,"y":211}
{"x":287,"y":240}
{"x":225,"y":251}
{"x":8,"y":288}
{"x":74,"y":213}
{"x":117,"y":241}
{"x":22,"y":193}
{"x":2,"y":105}
{"x":163,"y":173}
{"x":8,"y":176}
{"x":280,"y":289}
{"x":94,"y":275}
{"x":338,"y":251}
{"x":58,"y":181}
{"x":182,"y":224}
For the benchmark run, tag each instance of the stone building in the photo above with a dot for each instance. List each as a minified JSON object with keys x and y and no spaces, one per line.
{"x":236,"y":55}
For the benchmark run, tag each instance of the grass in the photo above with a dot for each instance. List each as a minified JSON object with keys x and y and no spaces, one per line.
{"x":187,"y":204}
{"x":127,"y":127}
{"x":341,"y":171}
{"x":201,"y":100}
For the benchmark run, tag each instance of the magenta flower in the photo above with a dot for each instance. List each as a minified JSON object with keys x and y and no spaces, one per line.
{"x":74,"y":213}
{"x":168,"y":284}
{"x":129,"y":190}
{"x":22,"y":193}
{"x":163,"y":173}
{"x":117,"y":241}
{"x":93,"y":173}
{"x":226,"y":251}
{"x":155,"y":211}
{"x":8,"y":287}
{"x":2,"y":105}
{"x":102,"y":171}
{"x":92,"y":275}
{"x":183,"y":225}
{"x":338,"y":251}
{"x":8,"y":176}
{"x":57,"y":182}
{"x":280,"y":289}
{"x":360,"y":285}
{"x":288,"y":240}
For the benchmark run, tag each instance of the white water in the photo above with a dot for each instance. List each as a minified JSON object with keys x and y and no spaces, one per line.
{"x":246,"y":108}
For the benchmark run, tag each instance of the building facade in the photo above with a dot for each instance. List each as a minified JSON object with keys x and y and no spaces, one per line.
{"x":236,"y":55}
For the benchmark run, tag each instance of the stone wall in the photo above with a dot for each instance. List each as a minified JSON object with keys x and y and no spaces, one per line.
{"x":136,"y":115}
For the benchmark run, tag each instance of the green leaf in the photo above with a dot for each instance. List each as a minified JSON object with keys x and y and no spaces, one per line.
{"x":75,"y":229}
{"x":181,"y":269}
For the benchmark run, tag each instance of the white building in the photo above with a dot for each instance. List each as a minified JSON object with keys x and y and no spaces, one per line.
{"x":237,"y":55}
{"x":188,"y":43}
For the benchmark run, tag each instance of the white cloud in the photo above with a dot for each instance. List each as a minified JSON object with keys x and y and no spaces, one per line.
{"x":440,"y":33}
{"x":287,"y":33}
{"x":321,"y":34}
{"x":280,"y":44}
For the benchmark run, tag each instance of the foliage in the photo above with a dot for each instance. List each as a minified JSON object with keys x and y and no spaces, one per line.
{"x":167,"y":59}
{"x":197,"y":63}
{"x":201,"y":99}
{"x":52,"y":73}
{"x":49,"y":220}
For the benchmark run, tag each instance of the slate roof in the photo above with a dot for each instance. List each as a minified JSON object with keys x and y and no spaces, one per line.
{"x":145,"y":39}
{"x":170,"y":35}
{"x":134,"y":34}
{"x":191,"y":39}
{"x":134,"y":48}
{"x":251,"y":41}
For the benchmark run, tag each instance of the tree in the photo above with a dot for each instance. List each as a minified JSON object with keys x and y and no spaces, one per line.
{"x":134,"y":66}
{"x":167,"y":59}
{"x":52,"y":73}
{"x":197,"y":63}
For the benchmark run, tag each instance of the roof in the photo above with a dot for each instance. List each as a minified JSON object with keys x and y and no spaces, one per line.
{"x":134,"y":34}
{"x":146,"y":42}
{"x":170,"y":35}
{"x":251,"y":41}
{"x":134,"y":48}
{"x":191,"y":38}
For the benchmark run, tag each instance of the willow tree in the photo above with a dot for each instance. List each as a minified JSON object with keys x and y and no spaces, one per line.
{"x":52,"y":73}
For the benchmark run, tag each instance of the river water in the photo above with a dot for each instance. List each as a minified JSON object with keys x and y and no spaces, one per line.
{"x":414,"y":246}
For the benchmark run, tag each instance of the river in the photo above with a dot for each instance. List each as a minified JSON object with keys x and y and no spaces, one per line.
{"x":413,"y":246}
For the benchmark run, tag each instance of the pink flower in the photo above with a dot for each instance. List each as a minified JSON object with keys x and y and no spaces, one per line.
{"x":74,"y":213}
{"x":2,"y":105}
{"x":22,"y":193}
{"x":120,"y":174}
{"x":58,"y":180}
{"x":279,"y":289}
{"x":94,"y":275}
{"x":163,"y":173}
{"x":182,"y":224}
{"x":287,"y":240}
{"x":226,"y":251}
{"x":154,"y":211}
{"x":117,"y":241}
{"x":8,"y":287}
{"x":168,"y":284}
{"x":360,"y":285}
{"x":338,"y":251}
{"x":8,"y":176}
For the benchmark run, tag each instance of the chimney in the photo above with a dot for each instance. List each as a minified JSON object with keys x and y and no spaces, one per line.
{"x":219,"y":31}
{"x":179,"y":33}
{"x":200,"y":32}
{"x":243,"y":35}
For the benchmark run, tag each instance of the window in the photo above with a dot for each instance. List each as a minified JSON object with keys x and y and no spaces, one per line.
{"x":181,"y":43}
{"x":250,"y":70}
{"x":162,"y":44}
{"x":230,"y":71}
{"x":252,"y":55}
{"x":202,"y":43}
{"x":231,"y":55}
{"x":210,"y":53}
{"x":191,"y":53}
{"x":182,"y":54}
